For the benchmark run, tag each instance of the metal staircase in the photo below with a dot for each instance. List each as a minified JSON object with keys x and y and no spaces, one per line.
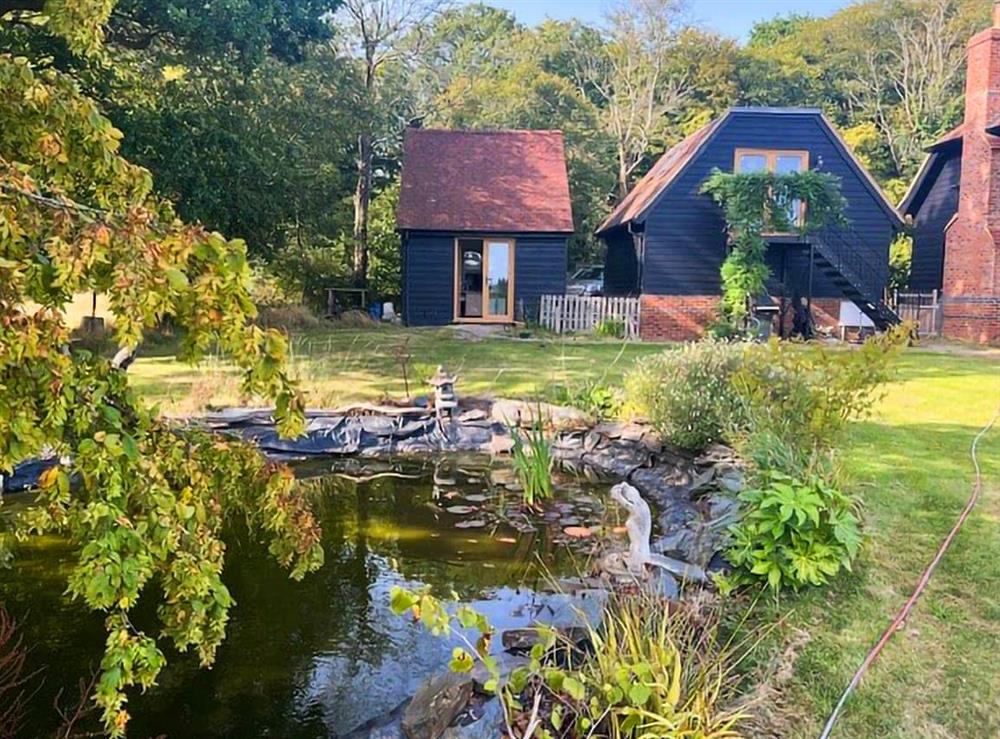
{"x":836,"y":255}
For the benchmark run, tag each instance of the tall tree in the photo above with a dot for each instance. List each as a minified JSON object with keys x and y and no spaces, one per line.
{"x":631,"y":76}
{"x":377,"y":34}
{"x":142,"y":502}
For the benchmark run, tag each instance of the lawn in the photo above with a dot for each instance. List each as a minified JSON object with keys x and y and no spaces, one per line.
{"x":909,"y":463}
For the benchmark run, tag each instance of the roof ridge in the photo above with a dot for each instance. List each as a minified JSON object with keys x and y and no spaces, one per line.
{"x":484,"y":131}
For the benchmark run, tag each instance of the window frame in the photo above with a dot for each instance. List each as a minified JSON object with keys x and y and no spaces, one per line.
{"x":508,"y":317}
{"x":771,"y":157}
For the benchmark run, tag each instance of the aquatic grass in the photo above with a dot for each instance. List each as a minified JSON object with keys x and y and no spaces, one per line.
{"x":662,"y":671}
{"x":533,"y":461}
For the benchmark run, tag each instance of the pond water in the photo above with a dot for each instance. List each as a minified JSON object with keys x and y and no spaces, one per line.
{"x":320,"y":657}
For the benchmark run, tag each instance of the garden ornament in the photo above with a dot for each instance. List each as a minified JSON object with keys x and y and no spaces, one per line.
{"x":445,"y":399}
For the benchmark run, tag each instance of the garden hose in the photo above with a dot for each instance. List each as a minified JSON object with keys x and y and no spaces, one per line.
{"x":901,"y":616}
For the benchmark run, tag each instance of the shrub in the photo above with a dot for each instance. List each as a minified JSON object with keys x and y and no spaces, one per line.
{"x":597,"y":398}
{"x":793,"y":533}
{"x":610,"y":328}
{"x":288,"y":317}
{"x":687,"y":394}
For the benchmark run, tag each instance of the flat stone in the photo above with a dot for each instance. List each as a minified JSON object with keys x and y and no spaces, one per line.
{"x":489,"y":724}
{"x":520,"y":641}
{"x":683,"y":570}
{"x":475,"y":414}
{"x":436,"y":704}
{"x":500,"y":444}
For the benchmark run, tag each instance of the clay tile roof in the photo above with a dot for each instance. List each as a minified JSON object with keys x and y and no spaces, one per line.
{"x":499,"y":181}
{"x":661,"y":175}
{"x":952,"y":136}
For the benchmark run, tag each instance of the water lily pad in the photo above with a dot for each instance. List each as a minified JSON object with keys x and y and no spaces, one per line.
{"x":475,"y":498}
{"x":578,"y":532}
{"x":507,"y":540}
{"x":460,"y":510}
{"x":472,"y":523}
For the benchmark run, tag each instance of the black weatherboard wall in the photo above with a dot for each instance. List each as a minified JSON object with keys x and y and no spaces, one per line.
{"x":938,"y":203}
{"x":685,"y":239}
{"x":429,"y":274}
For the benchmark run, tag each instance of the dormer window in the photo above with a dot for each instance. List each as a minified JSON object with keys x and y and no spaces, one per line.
{"x":779,"y":162}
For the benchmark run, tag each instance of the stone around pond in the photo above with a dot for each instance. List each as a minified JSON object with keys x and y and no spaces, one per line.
{"x":436,"y":705}
{"x":489,"y":724}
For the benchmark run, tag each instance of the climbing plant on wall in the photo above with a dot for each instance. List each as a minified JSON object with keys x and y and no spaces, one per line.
{"x":142,"y":502}
{"x":759,"y":203}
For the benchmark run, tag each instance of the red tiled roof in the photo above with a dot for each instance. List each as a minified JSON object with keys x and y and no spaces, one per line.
{"x":954,"y":134}
{"x":661,"y":175}
{"x":499,"y":181}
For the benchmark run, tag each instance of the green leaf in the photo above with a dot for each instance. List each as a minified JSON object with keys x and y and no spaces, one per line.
{"x":177,"y":279}
{"x":461,"y":661}
{"x":573,"y":688}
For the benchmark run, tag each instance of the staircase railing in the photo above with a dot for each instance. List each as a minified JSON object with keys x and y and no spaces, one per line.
{"x":837,"y":244}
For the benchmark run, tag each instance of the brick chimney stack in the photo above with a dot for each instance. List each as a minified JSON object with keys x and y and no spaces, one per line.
{"x":971,"y":286}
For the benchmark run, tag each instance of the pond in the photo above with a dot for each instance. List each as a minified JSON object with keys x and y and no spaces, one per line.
{"x":320,"y":657}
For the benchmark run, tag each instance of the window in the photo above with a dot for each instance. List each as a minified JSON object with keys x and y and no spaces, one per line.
{"x":778,"y":162}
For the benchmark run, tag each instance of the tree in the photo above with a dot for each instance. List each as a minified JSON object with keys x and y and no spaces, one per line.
{"x":142,"y":501}
{"x":629,"y":73}
{"x":376,"y":33}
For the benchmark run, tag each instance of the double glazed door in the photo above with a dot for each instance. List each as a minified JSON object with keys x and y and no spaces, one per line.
{"x":484,"y":280}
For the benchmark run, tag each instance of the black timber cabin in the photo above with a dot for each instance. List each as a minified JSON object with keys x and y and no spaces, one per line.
{"x":484,"y":217}
{"x":932,"y":203}
{"x":666,"y":241}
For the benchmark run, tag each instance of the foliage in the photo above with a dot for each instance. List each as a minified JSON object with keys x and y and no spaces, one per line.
{"x":533,"y":462}
{"x":900,"y":262}
{"x":764,"y":202}
{"x":384,"y":279}
{"x":793,"y":402}
{"x":650,"y":670}
{"x":793,"y":533}
{"x":143,"y":503}
{"x":610,"y":328}
{"x":596,"y":397}
{"x":686,"y":393}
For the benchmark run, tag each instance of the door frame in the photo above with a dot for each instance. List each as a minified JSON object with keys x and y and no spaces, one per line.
{"x":508,"y":317}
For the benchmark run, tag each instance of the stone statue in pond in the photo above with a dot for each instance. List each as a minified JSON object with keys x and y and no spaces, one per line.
{"x":639,"y":527}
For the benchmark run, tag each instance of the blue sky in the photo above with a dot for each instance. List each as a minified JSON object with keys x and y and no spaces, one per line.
{"x":731,"y":17}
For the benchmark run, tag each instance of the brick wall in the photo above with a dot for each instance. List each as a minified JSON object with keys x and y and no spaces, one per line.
{"x":685,"y":317}
{"x":971,"y":284}
{"x":676,"y":317}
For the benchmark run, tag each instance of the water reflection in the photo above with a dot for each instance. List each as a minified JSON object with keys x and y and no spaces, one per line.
{"x":318,"y":657}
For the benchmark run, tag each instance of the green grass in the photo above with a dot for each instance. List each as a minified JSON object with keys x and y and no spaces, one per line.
{"x":345,"y":365}
{"x":909,"y":462}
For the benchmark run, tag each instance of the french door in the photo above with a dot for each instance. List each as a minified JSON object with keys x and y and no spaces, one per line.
{"x":484,"y":280}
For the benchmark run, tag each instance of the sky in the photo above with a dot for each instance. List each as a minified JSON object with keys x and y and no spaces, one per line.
{"x":730,"y":17}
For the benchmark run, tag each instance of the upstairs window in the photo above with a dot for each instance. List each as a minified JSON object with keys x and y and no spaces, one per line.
{"x":779,"y":162}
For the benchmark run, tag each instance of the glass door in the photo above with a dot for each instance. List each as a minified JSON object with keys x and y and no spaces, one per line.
{"x":484,"y":280}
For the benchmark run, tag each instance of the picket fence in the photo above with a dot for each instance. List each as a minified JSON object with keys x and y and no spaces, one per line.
{"x":574,"y":313}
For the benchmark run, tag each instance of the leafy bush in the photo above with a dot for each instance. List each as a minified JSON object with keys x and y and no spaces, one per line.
{"x":533,"y":463}
{"x":597,"y":398}
{"x":687,"y":394}
{"x":793,"y":533}
{"x":610,"y":328}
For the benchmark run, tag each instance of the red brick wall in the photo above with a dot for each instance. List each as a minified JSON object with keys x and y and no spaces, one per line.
{"x":676,"y":317}
{"x":971,"y":286}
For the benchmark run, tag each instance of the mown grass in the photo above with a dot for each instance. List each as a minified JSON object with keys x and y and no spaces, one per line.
{"x":909,"y":463}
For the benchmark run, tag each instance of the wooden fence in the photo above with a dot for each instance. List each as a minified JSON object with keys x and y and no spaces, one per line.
{"x":924,"y":309}
{"x":569,"y":313}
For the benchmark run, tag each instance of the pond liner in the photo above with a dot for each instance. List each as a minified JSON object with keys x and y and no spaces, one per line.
{"x":693,"y":495}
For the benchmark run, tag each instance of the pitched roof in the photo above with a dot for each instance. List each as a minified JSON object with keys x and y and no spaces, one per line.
{"x":497,"y":181}
{"x":954,"y":135}
{"x":673,"y":162}
{"x":659,"y":176}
